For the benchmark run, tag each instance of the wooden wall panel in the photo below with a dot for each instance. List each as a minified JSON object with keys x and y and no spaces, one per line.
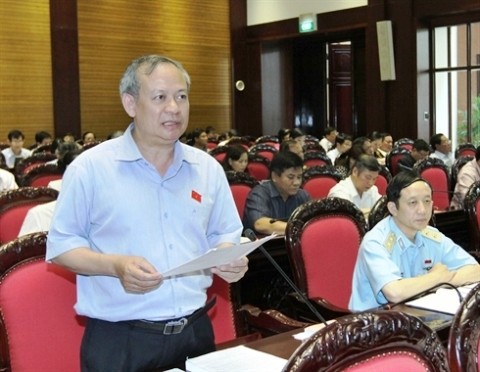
{"x":25,"y":68}
{"x":112,"y":33}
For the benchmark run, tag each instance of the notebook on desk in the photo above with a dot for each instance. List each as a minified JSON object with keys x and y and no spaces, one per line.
{"x":443,"y":300}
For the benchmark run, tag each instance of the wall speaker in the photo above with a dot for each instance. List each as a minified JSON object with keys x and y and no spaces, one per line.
{"x":385,"y":50}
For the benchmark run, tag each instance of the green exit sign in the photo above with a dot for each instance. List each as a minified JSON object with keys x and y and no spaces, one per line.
{"x":307,"y":22}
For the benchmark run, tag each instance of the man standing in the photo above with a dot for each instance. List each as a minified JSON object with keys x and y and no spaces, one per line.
{"x":360,"y":187}
{"x":402,"y":256}
{"x":134,"y":207}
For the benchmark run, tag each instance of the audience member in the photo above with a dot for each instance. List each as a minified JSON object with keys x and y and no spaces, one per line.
{"x":292,"y":146}
{"x":198,"y":139}
{"x":328,"y":140}
{"x":402,"y":256}
{"x":420,"y":151}
{"x":115,"y":134}
{"x":42,"y":138}
{"x":442,"y":149}
{"x":16,"y":151}
{"x":134,"y":207}
{"x":270,"y":204}
{"x":284,"y":134}
{"x":375,"y":139}
{"x":385,"y":146}
{"x":39,"y":217}
{"x":236,"y":159}
{"x":212,"y":134}
{"x":61,"y":149}
{"x":88,"y":137}
{"x":360,"y":187}
{"x":468,"y":175}
{"x":69,"y":137}
{"x":344,"y":163}
{"x":298,"y":136}
{"x":7,"y":181}
{"x":343,"y":143}
{"x":224,"y":138}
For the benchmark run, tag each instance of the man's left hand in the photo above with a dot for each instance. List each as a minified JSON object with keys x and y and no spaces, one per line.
{"x":232,"y":272}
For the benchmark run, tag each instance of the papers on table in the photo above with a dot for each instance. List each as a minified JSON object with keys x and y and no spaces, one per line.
{"x":310,"y":330}
{"x":444,"y":300}
{"x":216,"y":257}
{"x":239,"y":358}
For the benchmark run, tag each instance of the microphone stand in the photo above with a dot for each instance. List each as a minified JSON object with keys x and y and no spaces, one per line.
{"x":252,"y":237}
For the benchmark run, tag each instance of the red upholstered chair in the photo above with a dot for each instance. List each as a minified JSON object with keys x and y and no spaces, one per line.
{"x":464,"y":337}
{"x":219,"y":153}
{"x":24,"y":165}
{"x":406,"y":143}
{"x":378,"y":212}
{"x":465,"y":149}
{"x":269,"y":140}
{"x":43,"y":148}
{"x":236,"y":324}
{"x":436,"y":173}
{"x":383,"y":179}
{"x":14,"y":205}
{"x":241,"y":184}
{"x":39,"y":330}
{"x":264,"y":149}
{"x":313,"y":158}
{"x":258,"y":167}
{"x":322,"y":241}
{"x":211,"y":144}
{"x":41,"y":175}
{"x":313,"y":146}
{"x":393,"y":157}
{"x":371,"y":341}
{"x":472,"y":206}
{"x":318,"y":180}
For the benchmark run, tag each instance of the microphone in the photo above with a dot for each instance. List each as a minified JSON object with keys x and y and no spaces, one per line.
{"x":423,"y":293}
{"x":248,"y":233}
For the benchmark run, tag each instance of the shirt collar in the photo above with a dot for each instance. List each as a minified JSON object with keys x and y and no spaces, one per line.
{"x":401,"y":238}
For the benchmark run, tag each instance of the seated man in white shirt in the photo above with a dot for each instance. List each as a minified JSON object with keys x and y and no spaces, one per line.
{"x":39,"y":218}
{"x":7,"y":181}
{"x":16,"y":151}
{"x":360,"y":187}
{"x":442,"y":149}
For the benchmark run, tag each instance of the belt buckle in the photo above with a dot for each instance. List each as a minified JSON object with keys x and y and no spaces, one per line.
{"x":175,"y":327}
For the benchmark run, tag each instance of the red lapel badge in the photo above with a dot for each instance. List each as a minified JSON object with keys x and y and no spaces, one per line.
{"x":196,"y":196}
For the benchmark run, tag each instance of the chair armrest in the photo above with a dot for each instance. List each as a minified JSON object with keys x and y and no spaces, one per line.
{"x":299,"y":310}
{"x":269,"y":322}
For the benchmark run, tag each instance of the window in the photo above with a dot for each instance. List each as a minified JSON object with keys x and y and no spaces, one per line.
{"x":456,"y":82}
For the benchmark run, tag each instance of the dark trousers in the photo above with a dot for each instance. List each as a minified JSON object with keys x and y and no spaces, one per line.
{"x":122,"y":347}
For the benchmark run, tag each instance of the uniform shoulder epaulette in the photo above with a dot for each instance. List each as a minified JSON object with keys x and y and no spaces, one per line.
{"x":389,"y":242}
{"x":431,"y":234}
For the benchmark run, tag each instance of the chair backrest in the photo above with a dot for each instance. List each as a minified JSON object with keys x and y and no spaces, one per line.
{"x":383,"y":179}
{"x":240,"y":184}
{"x":406,"y":143}
{"x":219,"y":153}
{"x":318,"y":180}
{"x":464,"y":336}
{"x":41,"y":175}
{"x":39,"y":330}
{"x":384,"y":340}
{"x":391,"y":161}
{"x":226,"y":325}
{"x":14,"y":205}
{"x":472,"y":206}
{"x":269,"y":140}
{"x":436,"y":173}
{"x":24,"y":165}
{"x":378,"y":212}
{"x":465,"y":149}
{"x":322,"y":240}
{"x":316,"y":158}
{"x":258,"y":167}
{"x":264,"y":149}
{"x":312,"y":146}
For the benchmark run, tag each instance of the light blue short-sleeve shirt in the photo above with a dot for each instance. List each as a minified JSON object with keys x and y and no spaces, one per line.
{"x":386,"y":254}
{"x":114,"y":201}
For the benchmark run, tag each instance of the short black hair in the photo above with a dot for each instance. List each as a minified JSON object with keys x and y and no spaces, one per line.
{"x":67,"y":158}
{"x":401,"y":181}
{"x":367,"y":162}
{"x":421,"y":145}
{"x":329,"y":130}
{"x":285,"y":160}
{"x":40,"y":136}
{"x":435,"y":140}
{"x":233,"y":152}
{"x":15,"y":133}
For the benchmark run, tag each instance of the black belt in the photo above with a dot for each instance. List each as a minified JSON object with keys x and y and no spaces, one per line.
{"x":174,"y":326}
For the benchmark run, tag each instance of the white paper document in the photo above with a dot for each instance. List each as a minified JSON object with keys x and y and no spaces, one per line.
{"x":236,"y":359}
{"x":217,"y":256}
{"x":444,"y":300}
